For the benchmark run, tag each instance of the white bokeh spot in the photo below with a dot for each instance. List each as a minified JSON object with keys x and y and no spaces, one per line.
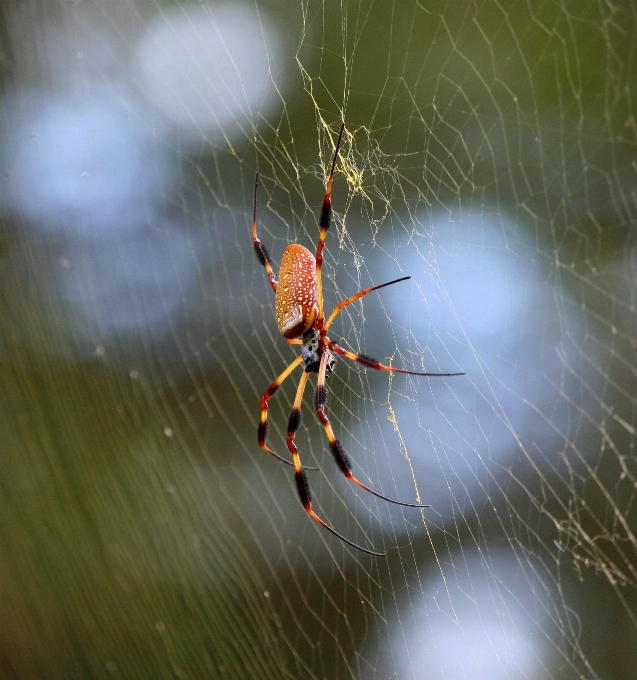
{"x":210,"y":69}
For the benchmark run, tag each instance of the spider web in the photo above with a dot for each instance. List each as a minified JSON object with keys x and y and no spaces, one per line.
{"x":489,"y":153}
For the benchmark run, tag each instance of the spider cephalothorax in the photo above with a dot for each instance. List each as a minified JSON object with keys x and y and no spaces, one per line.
{"x":310,"y":351}
{"x":299,"y":316}
{"x":313,"y":350}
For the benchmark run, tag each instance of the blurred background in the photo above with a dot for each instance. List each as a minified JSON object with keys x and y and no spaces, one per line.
{"x":490,"y":154}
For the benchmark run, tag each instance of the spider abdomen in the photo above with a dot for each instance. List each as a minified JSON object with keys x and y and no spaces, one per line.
{"x":296,"y":302}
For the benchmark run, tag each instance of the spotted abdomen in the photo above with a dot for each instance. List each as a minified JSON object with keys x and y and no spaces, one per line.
{"x":296,"y":294}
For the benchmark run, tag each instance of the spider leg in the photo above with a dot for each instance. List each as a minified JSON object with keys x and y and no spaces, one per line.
{"x":360,"y":294}
{"x":372,"y":363}
{"x":336,"y":447}
{"x":262,"y":254}
{"x":302,"y":485}
{"x":326,"y":215}
{"x":269,"y":393}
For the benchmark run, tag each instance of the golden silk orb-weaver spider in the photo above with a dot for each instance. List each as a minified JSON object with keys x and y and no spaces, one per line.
{"x":299,"y":316}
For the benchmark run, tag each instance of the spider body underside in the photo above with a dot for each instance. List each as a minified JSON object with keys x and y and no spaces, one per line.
{"x":300,"y":319}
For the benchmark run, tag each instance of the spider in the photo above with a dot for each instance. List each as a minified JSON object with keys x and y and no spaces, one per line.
{"x":300,"y":318}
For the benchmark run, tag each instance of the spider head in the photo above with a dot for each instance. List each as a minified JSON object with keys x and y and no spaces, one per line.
{"x":310,"y":351}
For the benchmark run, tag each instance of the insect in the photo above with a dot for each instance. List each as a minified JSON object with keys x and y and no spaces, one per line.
{"x":300,"y":318}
